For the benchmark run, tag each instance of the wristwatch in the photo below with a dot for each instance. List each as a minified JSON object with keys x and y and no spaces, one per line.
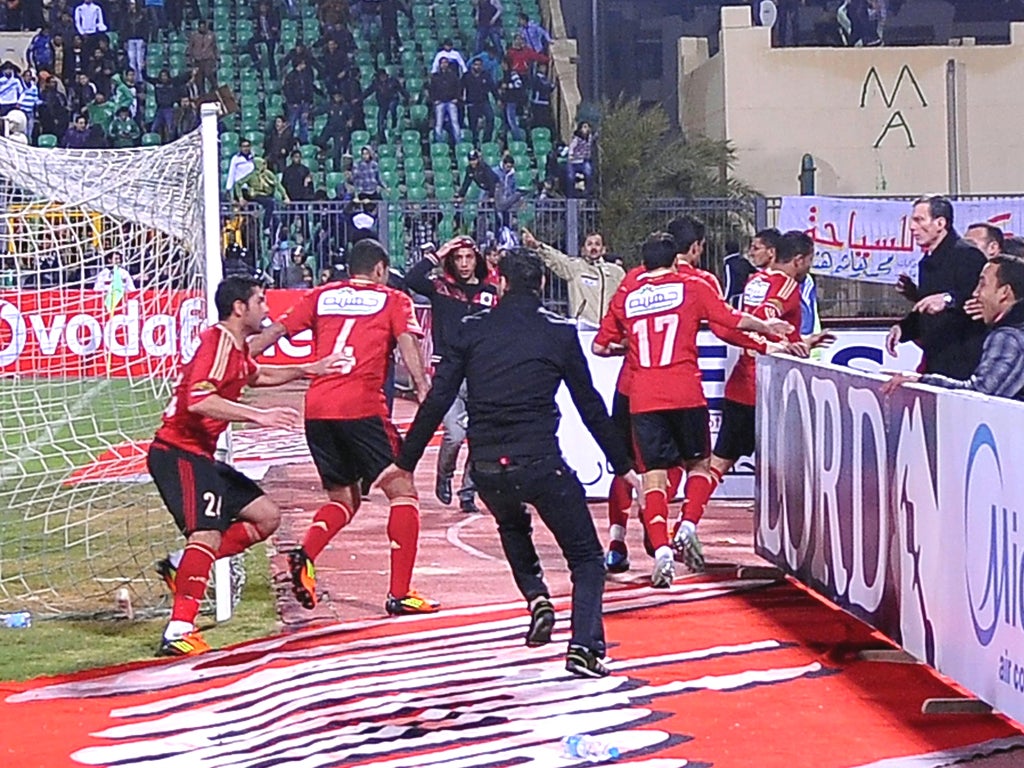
{"x":947,"y":299}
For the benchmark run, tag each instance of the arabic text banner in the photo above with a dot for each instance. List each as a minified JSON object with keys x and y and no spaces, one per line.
{"x":870,"y":240}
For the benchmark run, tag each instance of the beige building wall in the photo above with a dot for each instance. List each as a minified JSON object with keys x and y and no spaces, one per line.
{"x":876,"y":120}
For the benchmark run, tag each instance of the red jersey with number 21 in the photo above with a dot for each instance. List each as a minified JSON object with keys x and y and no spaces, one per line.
{"x":362,"y":320}
{"x":661,"y":316}
{"x":220,"y":366}
{"x":768,"y":294}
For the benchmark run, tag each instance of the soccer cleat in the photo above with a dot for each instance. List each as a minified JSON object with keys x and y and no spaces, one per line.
{"x":542,"y":621}
{"x":191,"y":644}
{"x":688,"y":549}
{"x":468,"y":505}
{"x":168,"y":573}
{"x":664,"y":572}
{"x":303,"y":574}
{"x":412,"y":603}
{"x":616,"y":561}
{"x":443,"y":489}
{"x":583,"y":662}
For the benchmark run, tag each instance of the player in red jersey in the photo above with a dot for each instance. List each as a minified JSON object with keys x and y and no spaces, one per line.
{"x":659,"y":320}
{"x":348,"y":429}
{"x":220,"y":510}
{"x":773,"y":292}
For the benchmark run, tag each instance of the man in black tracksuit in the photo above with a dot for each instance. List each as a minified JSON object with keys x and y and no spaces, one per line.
{"x":514,"y":358}
{"x":947,"y":276}
{"x":459,"y":290}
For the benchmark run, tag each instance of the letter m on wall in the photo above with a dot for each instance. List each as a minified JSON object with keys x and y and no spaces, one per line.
{"x":905,"y":76}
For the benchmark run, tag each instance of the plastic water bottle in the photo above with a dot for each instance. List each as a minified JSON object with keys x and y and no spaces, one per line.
{"x":589,"y":747}
{"x":19,"y":620}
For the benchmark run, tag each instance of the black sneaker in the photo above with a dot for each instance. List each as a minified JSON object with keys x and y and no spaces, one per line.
{"x":468,"y":505}
{"x":583,"y":662}
{"x":542,"y":621}
{"x":443,"y":489}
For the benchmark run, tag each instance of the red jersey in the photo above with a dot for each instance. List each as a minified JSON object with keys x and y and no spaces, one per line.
{"x":363,"y":320}
{"x":609,"y":331}
{"x":732,"y":336}
{"x":661,"y":316}
{"x":768,"y":294}
{"x":221,"y":366}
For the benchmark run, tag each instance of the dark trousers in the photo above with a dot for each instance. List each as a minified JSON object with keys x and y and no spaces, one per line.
{"x":254,"y":52}
{"x":481,"y":112}
{"x":550,"y":487}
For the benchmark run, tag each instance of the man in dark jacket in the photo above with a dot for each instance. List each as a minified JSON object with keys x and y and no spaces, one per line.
{"x":459,"y":290}
{"x":478,"y":89}
{"x":999,"y":300}
{"x":478,"y":171}
{"x":514,"y":358}
{"x":388,"y":90}
{"x":947,"y":275}
{"x":445,"y":94}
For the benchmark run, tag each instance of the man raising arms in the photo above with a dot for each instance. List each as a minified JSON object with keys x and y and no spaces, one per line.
{"x":348,"y":429}
{"x":220,"y":510}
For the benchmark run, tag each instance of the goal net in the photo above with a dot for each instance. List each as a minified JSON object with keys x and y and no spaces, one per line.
{"x":101,"y":292}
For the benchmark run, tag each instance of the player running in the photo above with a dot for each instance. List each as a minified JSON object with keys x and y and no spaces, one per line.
{"x":348,"y":429}
{"x":658,"y":320}
{"x":221,"y":511}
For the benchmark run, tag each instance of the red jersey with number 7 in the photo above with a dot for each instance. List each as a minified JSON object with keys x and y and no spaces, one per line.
{"x":220,"y":366}
{"x":768,"y":294}
{"x":361,"y":320}
{"x":661,"y":316}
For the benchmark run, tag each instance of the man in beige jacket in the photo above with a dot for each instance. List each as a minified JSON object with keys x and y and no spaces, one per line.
{"x":591,"y":280}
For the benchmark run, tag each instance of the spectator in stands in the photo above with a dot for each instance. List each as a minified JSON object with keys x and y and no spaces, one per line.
{"x":299,"y":93}
{"x":101,"y":113}
{"x":11,"y":87}
{"x":491,"y":61}
{"x":263,"y":188}
{"x":332,"y":13}
{"x":89,"y":24}
{"x":389,"y":92}
{"x":186,"y":118}
{"x":123,"y":131}
{"x":581,"y":153}
{"x":202,"y":54}
{"x":390,"y":38}
{"x":348,"y":84}
{"x":948,"y":273}
{"x":165,"y":92}
{"x":445,"y":94}
{"x":135,"y":32}
{"x":1000,"y":369}
{"x":736,"y":270}
{"x":112,"y":272}
{"x":337,"y":131}
{"x":279,"y":143}
{"x":78,"y":135}
{"x":519,"y":57}
{"x":541,"y":89}
{"x":534,"y":34}
{"x":479,"y":173}
{"x":488,"y":24}
{"x":591,"y":280}
{"x":100,"y":70}
{"x":478,"y":88}
{"x":515,"y":97}
{"x":267,"y":33}
{"x":369,"y":18}
{"x":298,"y":274}
{"x":366,"y":181}
{"x":786,"y":28}
{"x":506,"y":193}
{"x":53,"y":112}
{"x":241,"y":165}
{"x":332,"y":63}
{"x":28,"y":101}
{"x":447,"y":51}
{"x":40,"y":50}
{"x":75,"y":60}
{"x":81,"y":94}
{"x":987,"y":238}
{"x":300,"y":52}
{"x":297,"y":179}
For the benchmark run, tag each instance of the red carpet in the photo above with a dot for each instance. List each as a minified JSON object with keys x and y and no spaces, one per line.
{"x":724,"y":674}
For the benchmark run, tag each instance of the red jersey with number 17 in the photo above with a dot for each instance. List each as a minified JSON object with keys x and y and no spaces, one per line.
{"x":362,"y":320}
{"x":767,"y":294}
{"x":220,"y":366}
{"x":661,"y":316}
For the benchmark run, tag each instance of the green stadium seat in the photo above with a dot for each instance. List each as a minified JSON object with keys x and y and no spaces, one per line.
{"x":387,"y":164}
{"x":445,"y":192}
{"x":386,"y":152}
{"x":440,"y":149}
{"x":411,"y":138}
{"x":390,"y":178}
{"x":335,"y":181}
{"x":47,"y":140}
{"x":540,"y":135}
{"x":360,"y":139}
{"x":415,"y":178}
{"x":416,"y":194}
{"x":517,"y":148}
{"x":256,"y":137}
{"x":151,"y":140}
{"x":413,"y":163}
{"x":419,"y":114}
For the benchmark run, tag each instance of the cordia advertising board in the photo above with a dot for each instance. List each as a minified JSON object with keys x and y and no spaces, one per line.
{"x":903,"y":511}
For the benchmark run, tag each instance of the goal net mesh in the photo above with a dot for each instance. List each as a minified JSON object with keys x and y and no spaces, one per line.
{"x":101,"y":294}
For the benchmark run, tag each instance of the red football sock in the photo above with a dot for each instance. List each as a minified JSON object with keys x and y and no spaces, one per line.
{"x":675,"y":477}
{"x":193,"y":575}
{"x":403,"y":534}
{"x":239,"y":536}
{"x":620,"y":501}
{"x":698,"y":490}
{"x":328,"y":520}
{"x":655,"y":516}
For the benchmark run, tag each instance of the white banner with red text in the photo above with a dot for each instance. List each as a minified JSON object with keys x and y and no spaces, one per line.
{"x":871,"y":240}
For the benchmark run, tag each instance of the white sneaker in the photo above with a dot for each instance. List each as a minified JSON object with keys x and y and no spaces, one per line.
{"x":664,"y":571}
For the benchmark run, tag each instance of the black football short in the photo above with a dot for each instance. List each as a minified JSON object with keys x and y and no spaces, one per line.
{"x":665,"y":439}
{"x":201,"y":493}
{"x":736,"y":435}
{"x":623,"y":422}
{"x":351,"y":451}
